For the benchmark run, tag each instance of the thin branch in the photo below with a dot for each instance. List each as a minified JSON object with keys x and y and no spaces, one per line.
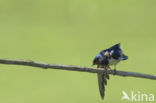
{"x":75,"y":68}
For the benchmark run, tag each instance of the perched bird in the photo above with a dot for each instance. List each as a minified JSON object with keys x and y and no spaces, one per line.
{"x":104,"y":59}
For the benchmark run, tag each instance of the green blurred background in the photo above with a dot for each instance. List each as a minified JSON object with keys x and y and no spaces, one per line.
{"x":73,"y":32}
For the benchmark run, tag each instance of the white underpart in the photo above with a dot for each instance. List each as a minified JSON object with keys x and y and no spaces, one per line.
{"x":113,"y":61}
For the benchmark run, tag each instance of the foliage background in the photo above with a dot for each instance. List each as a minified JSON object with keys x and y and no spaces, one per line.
{"x":73,"y":32}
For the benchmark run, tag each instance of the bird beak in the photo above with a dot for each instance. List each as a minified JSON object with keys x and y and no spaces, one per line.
{"x":92,"y":64}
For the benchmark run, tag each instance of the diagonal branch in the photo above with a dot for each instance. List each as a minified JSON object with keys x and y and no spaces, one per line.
{"x":75,"y":68}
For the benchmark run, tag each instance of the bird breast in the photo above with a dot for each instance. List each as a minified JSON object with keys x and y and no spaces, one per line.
{"x":113,"y":61}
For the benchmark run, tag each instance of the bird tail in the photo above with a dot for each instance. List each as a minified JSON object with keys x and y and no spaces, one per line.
{"x":101,"y":84}
{"x":102,"y":81}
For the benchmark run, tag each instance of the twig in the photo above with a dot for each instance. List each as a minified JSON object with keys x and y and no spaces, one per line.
{"x":75,"y":68}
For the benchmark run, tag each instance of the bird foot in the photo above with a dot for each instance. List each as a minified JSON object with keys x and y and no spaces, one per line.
{"x":114,"y":73}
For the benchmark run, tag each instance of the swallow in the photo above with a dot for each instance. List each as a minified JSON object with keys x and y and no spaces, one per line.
{"x":106,"y":58}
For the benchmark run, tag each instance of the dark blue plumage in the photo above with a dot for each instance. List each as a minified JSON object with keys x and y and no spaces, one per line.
{"x":104,"y":59}
{"x":110,"y":56}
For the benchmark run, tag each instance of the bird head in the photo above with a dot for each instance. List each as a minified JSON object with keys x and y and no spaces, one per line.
{"x":97,"y":60}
